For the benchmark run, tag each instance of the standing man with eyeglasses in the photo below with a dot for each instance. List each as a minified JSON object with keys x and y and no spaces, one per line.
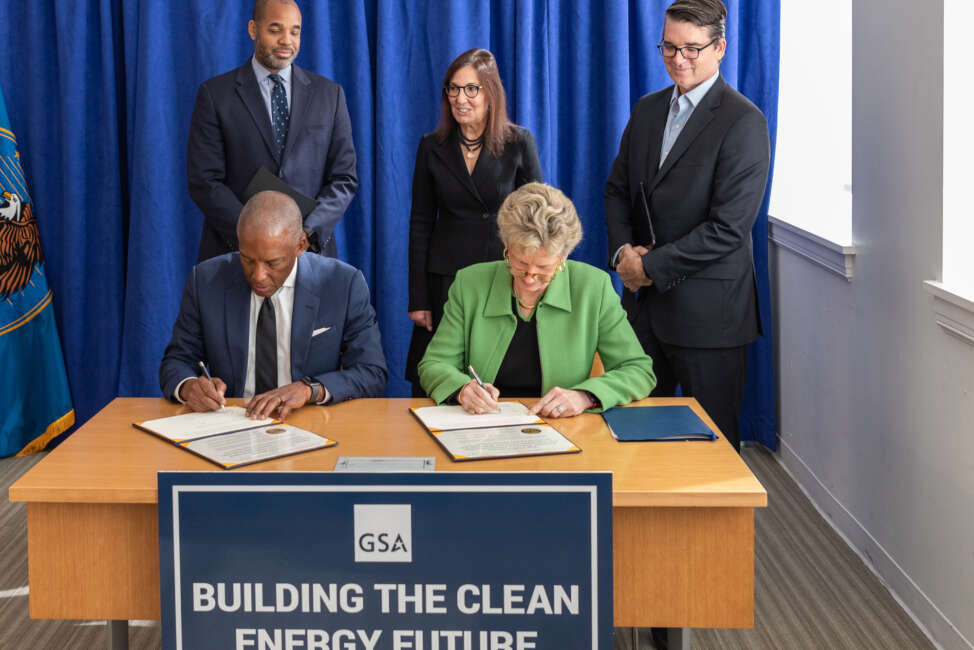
{"x":270,"y":113}
{"x":691,"y":170}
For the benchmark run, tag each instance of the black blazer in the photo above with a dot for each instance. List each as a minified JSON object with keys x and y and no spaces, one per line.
{"x":703,"y":201}
{"x":230,"y":137}
{"x":453,"y":222}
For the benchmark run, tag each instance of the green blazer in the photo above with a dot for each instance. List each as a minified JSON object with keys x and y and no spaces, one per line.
{"x":578,"y":315}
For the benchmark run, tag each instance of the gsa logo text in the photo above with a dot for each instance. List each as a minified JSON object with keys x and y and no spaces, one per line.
{"x":383,"y":533}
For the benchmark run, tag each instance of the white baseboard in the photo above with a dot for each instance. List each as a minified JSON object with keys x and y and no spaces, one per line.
{"x":938,"y":628}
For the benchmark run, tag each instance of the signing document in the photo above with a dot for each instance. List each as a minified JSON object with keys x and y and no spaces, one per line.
{"x":190,"y":426}
{"x":230,"y":439}
{"x":512,"y":430}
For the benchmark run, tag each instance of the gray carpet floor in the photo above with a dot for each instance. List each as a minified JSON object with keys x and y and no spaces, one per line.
{"x":811,"y":590}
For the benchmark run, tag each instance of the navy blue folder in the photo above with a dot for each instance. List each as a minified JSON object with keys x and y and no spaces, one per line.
{"x":641,"y":423}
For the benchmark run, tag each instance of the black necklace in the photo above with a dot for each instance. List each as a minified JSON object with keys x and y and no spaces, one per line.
{"x":472,"y":145}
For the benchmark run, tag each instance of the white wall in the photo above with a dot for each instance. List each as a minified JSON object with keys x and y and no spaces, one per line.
{"x":875,"y":399}
{"x":801,"y":151}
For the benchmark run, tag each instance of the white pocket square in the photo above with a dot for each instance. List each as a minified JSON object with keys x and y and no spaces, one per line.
{"x":320,"y":330}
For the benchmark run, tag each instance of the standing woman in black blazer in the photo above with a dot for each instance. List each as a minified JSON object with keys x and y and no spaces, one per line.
{"x":464,"y":171}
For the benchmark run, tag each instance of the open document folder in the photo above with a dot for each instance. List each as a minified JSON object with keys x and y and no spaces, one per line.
{"x":230,"y":439}
{"x":510,"y":431}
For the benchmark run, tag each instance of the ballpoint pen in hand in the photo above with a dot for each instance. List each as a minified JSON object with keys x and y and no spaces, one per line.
{"x":476,"y":378}
{"x":480,"y":382}
{"x":212,"y":383}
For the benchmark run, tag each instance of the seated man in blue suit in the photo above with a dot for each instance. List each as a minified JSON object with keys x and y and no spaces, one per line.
{"x":278,"y":327}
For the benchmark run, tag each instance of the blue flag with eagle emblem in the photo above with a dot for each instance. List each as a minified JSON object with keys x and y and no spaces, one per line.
{"x":35,"y":404}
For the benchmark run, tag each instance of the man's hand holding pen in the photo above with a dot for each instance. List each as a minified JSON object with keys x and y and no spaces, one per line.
{"x":204,"y":394}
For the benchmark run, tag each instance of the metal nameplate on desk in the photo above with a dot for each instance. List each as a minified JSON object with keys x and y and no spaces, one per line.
{"x":370,"y":464}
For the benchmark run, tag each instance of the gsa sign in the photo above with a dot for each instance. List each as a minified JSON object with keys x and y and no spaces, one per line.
{"x":383,"y":533}
{"x":432,"y":561}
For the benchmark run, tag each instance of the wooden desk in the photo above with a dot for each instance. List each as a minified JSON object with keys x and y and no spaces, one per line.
{"x":683,"y":514}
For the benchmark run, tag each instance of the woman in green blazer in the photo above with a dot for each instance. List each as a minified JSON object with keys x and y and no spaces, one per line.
{"x":531,"y":324}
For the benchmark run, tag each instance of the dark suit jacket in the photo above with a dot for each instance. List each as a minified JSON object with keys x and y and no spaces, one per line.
{"x":230,"y":137}
{"x":334,"y":336}
{"x":703,"y":201}
{"x":453,"y":222}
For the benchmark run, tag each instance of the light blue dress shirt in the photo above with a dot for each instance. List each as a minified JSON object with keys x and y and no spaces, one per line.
{"x":681,"y":108}
{"x":267,"y":86}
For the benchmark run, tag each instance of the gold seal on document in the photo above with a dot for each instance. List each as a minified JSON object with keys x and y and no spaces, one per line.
{"x":275,"y":430}
{"x":531,"y":430}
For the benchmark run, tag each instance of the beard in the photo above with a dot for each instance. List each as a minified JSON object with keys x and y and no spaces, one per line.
{"x":267,"y":58}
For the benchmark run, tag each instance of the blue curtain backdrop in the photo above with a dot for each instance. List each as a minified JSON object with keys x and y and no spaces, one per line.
{"x":100,"y":93}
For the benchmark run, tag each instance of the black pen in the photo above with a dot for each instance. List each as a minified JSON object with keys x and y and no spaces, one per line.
{"x":212,"y":383}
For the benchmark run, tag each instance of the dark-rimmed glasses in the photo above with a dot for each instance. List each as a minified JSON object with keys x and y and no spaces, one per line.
{"x":688,"y":51}
{"x":470,"y":90}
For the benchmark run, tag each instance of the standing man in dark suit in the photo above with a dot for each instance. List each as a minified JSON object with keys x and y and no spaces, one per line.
{"x":270,"y":113}
{"x":699,"y":153}
{"x":274,"y":325}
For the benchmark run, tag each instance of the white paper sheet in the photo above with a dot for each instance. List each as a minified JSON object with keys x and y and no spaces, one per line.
{"x":525,"y":440}
{"x":249,"y":446}
{"x":442,"y":418}
{"x":190,"y":426}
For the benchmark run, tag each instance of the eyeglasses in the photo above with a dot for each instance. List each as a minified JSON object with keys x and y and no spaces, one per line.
{"x":543,"y":278}
{"x":470,"y":90}
{"x":689,"y":51}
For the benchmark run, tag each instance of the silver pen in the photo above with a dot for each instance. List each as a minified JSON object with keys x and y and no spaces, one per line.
{"x":476,"y":378}
{"x":480,"y":383}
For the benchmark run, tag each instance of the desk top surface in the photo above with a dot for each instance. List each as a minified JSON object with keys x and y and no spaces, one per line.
{"x":108,"y":460}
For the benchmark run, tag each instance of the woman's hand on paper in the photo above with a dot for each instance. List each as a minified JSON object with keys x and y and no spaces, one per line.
{"x":562,"y":403}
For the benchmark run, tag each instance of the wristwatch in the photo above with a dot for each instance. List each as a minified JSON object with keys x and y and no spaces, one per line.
{"x":594,"y":402}
{"x":317,"y":390}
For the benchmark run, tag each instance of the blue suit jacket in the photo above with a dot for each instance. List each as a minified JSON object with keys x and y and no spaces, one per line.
{"x":230,"y":138}
{"x":213,"y":327}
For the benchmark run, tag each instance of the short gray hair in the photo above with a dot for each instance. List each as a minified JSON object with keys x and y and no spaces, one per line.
{"x":537,"y":215}
{"x":271,"y":213}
